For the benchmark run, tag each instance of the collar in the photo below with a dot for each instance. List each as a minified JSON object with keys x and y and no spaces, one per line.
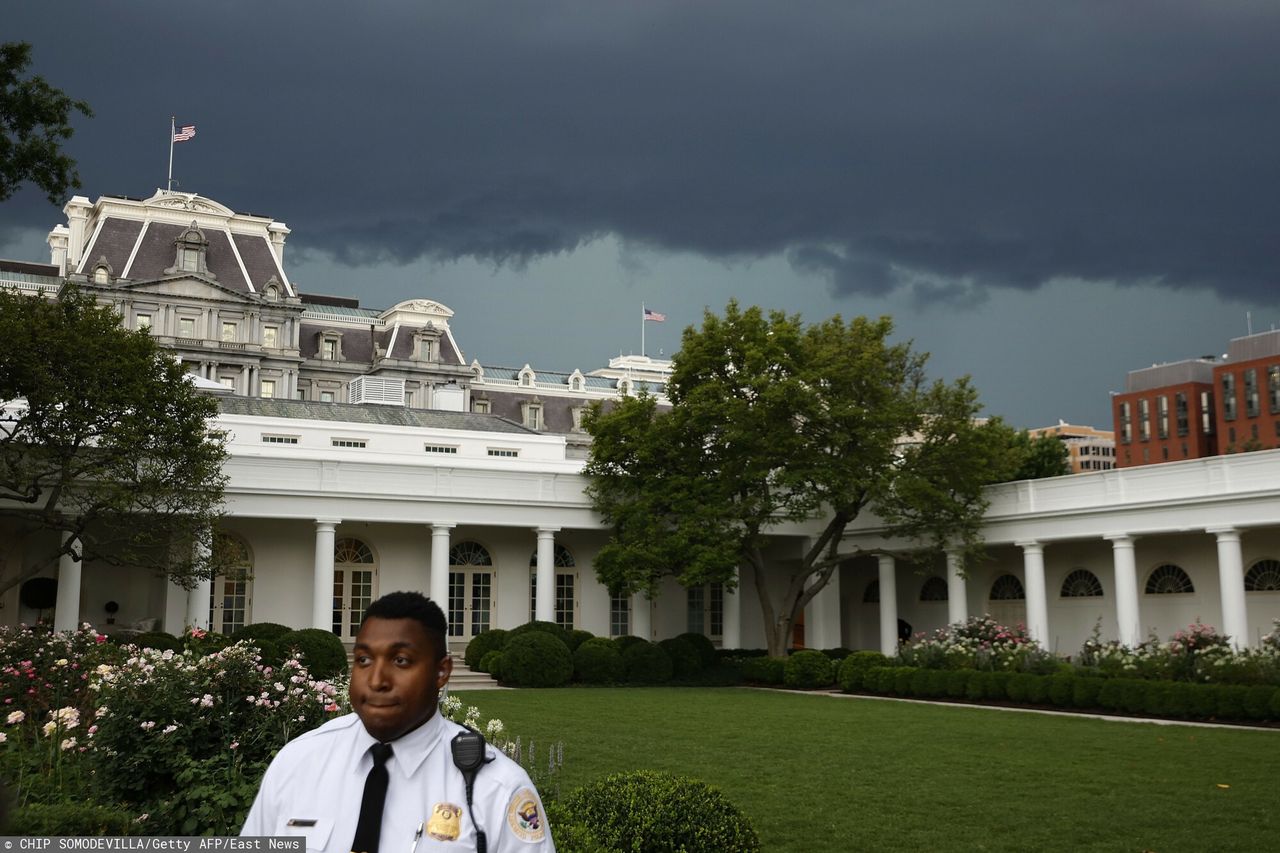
{"x":408,"y":751}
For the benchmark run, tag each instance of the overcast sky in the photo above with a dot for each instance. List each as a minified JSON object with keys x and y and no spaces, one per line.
{"x":1043,"y":195}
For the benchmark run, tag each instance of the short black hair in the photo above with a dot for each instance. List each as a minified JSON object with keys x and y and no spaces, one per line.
{"x":419,"y":608}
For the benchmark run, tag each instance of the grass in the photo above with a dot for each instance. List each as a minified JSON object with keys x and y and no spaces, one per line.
{"x":818,"y":772}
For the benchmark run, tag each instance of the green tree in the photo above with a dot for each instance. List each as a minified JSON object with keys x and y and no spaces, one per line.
{"x":102,"y":437}
{"x":773,"y":421}
{"x":34,"y":123}
{"x":1041,"y":456}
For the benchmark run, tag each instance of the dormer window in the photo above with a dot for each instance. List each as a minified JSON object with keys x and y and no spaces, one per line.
{"x":426,"y":344}
{"x":102,"y":273}
{"x":624,"y":387}
{"x":526,"y":377}
{"x":575,"y":381}
{"x":190,"y":257}
{"x":271,"y":291}
{"x":331,"y":346}
{"x":531,"y":415}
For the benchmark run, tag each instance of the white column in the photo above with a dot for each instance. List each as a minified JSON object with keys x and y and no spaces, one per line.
{"x":957,"y":591}
{"x":322,"y":576}
{"x":1235,"y":616}
{"x":1128,"y":622}
{"x":641,"y":616}
{"x":822,"y":616}
{"x":888,"y":606}
{"x":439,"y":583}
{"x":198,"y":597}
{"x":244,"y":384}
{"x":1037,"y":606}
{"x":732,"y":637}
{"x":545,"y":605}
{"x":66,"y":614}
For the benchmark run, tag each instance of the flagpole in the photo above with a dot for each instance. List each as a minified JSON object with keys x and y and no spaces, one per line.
{"x":642,"y":330}
{"x":173,"y":126}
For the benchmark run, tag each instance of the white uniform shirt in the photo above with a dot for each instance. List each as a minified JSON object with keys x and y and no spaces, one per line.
{"x":314,"y":787}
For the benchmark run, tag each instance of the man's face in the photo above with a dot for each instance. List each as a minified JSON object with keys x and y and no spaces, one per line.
{"x":395,"y":677}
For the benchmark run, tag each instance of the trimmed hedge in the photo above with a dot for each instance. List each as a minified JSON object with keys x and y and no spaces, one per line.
{"x":536,"y":658}
{"x":808,"y":669}
{"x":764,"y":670}
{"x":1081,"y":691}
{"x":657,"y":812}
{"x":626,"y":641}
{"x":702,"y":644}
{"x":645,"y":663}
{"x":853,"y":669}
{"x":495,"y":639}
{"x":158,"y":640}
{"x":492,"y":663}
{"x":597,"y":661}
{"x":577,"y":637}
{"x":543,"y":627}
{"x":322,"y":652}
{"x":685,"y":660}
{"x":264,"y":635}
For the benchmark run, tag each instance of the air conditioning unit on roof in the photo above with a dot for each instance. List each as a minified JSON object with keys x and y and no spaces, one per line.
{"x":376,"y":390}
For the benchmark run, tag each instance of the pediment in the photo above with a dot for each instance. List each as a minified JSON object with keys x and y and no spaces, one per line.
{"x":188,"y":286}
{"x":189,"y":202}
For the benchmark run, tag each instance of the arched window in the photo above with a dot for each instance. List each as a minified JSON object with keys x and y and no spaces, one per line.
{"x":871,"y":595}
{"x":934,"y":589}
{"x":1169,"y":580}
{"x":1263,"y":576}
{"x":1007,"y":588}
{"x":355,"y":574}
{"x":229,"y":593}
{"x":1081,"y":583}
{"x":469,"y":554}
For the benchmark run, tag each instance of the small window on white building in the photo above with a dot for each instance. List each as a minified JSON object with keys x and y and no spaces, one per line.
{"x":532,"y":415}
{"x":268,"y":388}
{"x":480,"y":407}
{"x":143,"y":321}
{"x":187,"y":327}
{"x":271,"y":336}
{"x":228,"y":332}
{"x":326,"y":396}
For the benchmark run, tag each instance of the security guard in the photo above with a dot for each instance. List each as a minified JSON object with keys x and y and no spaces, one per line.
{"x":385,"y":777}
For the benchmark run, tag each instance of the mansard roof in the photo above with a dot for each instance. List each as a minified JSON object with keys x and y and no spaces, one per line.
{"x":137,"y":238}
{"x":369,"y":414}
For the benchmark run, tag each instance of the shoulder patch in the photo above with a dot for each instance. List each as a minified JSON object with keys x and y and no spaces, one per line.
{"x":525,"y":818}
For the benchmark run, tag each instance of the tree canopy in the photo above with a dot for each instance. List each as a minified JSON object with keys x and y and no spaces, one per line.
{"x":35,"y":120}
{"x":1044,"y":455}
{"x":774,"y":421}
{"x":103,"y":437}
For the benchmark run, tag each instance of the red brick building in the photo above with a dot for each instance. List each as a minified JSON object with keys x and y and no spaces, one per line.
{"x":1201,"y":407}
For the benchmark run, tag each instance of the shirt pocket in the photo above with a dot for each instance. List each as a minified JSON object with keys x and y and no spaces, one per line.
{"x":315,"y":829}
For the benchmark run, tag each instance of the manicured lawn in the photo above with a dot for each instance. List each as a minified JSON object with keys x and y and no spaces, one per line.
{"x":820,"y":773}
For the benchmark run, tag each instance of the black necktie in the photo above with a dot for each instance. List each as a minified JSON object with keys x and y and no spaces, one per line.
{"x":369,"y":827}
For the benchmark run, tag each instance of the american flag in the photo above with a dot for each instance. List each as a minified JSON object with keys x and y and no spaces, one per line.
{"x":186,"y":132}
{"x":650,"y":314}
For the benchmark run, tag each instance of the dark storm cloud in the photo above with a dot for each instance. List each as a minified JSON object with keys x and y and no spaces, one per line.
{"x":941,"y":147}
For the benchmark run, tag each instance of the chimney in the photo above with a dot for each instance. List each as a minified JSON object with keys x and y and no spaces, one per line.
{"x":278,"y":232}
{"x":58,"y":248}
{"x":77,"y":211}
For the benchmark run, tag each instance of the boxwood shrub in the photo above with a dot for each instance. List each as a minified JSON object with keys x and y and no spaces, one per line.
{"x":483,"y":643}
{"x":322,"y":652}
{"x":491,"y":663}
{"x":626,"y":641}
{"x":536,"y":659}
{"x":646,"y":663}
{"x":685,"y":660}
{"x":706,"y":649}
{"x":645,"y":810}
{"x":597,"y":661}
{"x":957,"y":682}
{"x":162,"y":642}
{"x":853,"y":669}
{"x":807,"y":669}
{"x":577,"y":637}
{"x":764,"y":670}
{"x":543,"y":627}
